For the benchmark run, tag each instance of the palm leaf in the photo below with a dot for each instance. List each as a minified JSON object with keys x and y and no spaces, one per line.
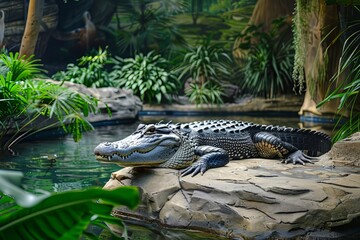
{"x":59,"y":216}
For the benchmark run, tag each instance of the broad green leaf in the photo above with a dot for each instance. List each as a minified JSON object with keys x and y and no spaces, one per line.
{"x":59,"y":216}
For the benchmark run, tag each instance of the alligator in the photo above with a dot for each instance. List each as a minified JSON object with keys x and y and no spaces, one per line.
{"x":198,"y":146}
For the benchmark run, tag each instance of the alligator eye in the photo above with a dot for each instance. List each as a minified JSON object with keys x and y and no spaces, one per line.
{"x":151,"y":130}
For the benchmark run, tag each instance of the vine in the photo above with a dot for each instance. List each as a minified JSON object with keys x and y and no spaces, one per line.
{"x":301,"y":34}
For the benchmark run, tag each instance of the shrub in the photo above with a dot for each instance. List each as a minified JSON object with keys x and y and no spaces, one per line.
{"x":204,"y":64}
{"x":146,"y":76}
{"x":205,"y":94}
{"x":24,"y":100}
{"x":90,"y":71}
{"x":268,"y":64}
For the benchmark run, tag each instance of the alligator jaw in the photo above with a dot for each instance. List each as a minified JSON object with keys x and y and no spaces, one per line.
{"x":119,"y":155}
{"x":138,"y":151}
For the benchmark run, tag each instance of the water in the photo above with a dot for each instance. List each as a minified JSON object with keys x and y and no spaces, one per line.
{"x":59,"y":164}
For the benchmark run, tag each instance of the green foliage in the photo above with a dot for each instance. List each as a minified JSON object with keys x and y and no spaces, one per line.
{"x":209,"y":93}
{"x":28,"y":106}
{"x":63,"y":215}
{"x":204,"y":64}
{"x":349,"y":66}
{"x":243,"y":3}
{"x":301,"y":35}
{"x":268,"y":64}
{"x":148,"y":25}
{"x":220,"y":6}
{"x":90,"y":71}
{"x":146,"y":76}
{"x":20,"y":68}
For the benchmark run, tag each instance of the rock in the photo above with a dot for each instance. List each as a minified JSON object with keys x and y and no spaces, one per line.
{"x":253,"y":198}
{"x":345,"y":152}
{"x":121,"y":102}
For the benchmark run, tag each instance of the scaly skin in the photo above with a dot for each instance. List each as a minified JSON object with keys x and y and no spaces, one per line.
{"x":198,"y":146}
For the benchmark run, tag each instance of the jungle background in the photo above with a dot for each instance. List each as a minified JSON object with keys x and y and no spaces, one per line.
{"x":210,"y":51}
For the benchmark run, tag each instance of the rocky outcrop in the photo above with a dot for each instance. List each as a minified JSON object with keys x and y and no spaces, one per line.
{"x":122,"y":103}
{"x":254,"y":198}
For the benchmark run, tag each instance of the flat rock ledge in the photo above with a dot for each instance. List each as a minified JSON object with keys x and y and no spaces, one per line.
{"x":254,"y":198}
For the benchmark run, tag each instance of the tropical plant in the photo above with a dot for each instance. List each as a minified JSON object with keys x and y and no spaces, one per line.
{"x":243,"y":3}
{"x":301,"y":36}
{"x":268,"y":64}
{"x":205,"y":94}
{"x":28,"y":106}
{"x":90,"y":71}
{"x":146,"y":75}
{"x":148,"y":25}
{"x":63,"y":215}
{"x":349,"y":67}
{"x":205,"y":63}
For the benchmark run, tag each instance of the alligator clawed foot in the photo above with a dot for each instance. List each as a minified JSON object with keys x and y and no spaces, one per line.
{"x":194,"y":169}
{"x":298,"y":157}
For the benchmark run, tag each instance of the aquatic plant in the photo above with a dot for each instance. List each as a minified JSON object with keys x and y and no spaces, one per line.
{"x":64,"y":215}
{"x":146,"y":75}
{"x":90,"y":71}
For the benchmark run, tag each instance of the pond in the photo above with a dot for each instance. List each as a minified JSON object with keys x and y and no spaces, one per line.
{"x":58,"y":164}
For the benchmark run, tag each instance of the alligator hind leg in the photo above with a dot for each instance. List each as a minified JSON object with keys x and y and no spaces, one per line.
{"x":270,"y":146}
{"x":210,"y":157}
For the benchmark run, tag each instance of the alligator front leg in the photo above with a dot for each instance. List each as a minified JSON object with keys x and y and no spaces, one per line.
{"x":210,"y":157}
{"x":270,"y":146}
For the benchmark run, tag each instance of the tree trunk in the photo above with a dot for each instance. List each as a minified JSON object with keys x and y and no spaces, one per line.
{"x":322,"y":57}
{"x":32,"y":28}
{"x":265,"y":11}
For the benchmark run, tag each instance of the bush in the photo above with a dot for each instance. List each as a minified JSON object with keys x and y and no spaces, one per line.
{"x":24,"y":100}
{"x":268,"y":64}
{"x":90,"y":71}
{"x":207,"y":66}
{"x":205,"y":94}
{"x":146,"y":75}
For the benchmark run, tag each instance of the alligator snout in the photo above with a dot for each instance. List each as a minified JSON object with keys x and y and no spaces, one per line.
{"x":104,"y":148}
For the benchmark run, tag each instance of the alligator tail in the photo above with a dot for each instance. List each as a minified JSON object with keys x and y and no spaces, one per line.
{"x":312,"y":142}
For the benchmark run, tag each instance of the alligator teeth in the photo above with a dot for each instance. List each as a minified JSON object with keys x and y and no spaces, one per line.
{"x":109,"y":158}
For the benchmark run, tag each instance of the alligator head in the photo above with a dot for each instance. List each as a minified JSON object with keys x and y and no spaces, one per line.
{"x":150,"y":145}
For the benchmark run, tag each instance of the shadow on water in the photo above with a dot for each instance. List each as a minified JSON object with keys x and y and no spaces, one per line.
{"x":59,"y":164}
